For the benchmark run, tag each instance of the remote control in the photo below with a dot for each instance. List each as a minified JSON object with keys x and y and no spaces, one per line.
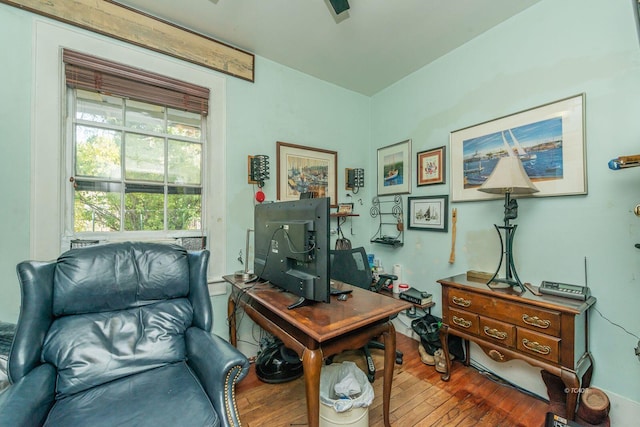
{"x":564,"y":290}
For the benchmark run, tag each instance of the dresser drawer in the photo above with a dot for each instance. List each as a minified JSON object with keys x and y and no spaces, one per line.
{"x":463,"y":320}
{"x":496,"y":331}
{"x":469,"y":301}
{"x":538,"y":345}
{"x":536,"y":318}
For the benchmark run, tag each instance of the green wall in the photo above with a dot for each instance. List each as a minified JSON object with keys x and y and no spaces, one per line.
{"x":553,"y":50}
{"x":288,"y":106}
{"x":15,"y":137}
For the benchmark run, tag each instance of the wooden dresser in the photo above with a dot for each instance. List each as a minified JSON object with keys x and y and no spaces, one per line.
{"x":545,"y":331}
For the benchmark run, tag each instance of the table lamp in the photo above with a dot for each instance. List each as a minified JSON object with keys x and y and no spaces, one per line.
{"x":508,"y":177}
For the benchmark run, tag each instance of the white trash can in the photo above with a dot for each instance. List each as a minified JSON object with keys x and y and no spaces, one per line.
{"x":345,"y":396}
{"x":355,"y":417}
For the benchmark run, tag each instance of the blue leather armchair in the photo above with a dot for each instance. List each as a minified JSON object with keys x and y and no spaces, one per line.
{"x":119,"y":335}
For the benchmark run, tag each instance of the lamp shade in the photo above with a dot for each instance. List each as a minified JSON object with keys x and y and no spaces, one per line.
{"x":508,"y":176}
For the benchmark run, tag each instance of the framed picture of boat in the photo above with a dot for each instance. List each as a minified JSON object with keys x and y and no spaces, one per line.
{"x":394,"y":169}
{"x":430,"y":166}
{"x":549,"y":140}
{"x":306,"y":170}
{"x":428,"y":213}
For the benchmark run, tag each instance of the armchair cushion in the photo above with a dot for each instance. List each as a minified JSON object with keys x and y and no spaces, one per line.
{"x":92,"y":349}
{"x":128,"y":275}
{"x":165,"y":396}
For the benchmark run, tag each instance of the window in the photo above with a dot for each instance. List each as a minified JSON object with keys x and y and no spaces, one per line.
{"x":51,"y":193}
{"x":137,"y":149}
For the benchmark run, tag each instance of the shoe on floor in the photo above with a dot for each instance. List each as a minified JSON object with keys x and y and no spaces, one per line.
{"x":441,"y":363}
{"x":426,"y":358}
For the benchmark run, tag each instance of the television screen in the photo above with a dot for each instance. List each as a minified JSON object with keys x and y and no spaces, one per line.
{"x":291,"y":247}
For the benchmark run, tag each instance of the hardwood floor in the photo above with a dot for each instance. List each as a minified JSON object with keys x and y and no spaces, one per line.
{"x":418,"y":397}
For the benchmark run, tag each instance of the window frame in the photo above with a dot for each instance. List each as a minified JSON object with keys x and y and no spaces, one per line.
{"x":70,"y":161}
{"x":46,"y":217}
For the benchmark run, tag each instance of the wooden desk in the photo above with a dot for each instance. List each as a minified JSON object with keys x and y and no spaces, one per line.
{"x":545,"y":331}
{"x":320,"y":330}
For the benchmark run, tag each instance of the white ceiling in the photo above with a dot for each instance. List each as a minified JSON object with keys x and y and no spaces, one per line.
{"x":365,"y":49}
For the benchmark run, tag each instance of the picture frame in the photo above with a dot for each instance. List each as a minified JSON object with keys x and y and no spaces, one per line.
{"x":430,"y":166}
{"x":549,"y":140}
{"x":429,"y":213}
{"x":345,"y":208}
{"x":301,"y":169}
{"x":394,"y":169}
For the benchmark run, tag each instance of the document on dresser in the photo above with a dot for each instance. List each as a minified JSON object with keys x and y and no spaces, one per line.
{"x":549,"y":332}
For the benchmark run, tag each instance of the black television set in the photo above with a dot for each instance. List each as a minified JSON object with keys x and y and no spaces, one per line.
{"x":291,"y":247}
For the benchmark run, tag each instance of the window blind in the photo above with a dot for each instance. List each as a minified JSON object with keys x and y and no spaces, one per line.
{"x":88,"y":72}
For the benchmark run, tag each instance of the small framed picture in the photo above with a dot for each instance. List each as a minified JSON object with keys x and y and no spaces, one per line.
{"x":345,"y":208}
{"x":429,"y":213}
{"x":394,"y":169}
{"x":431,"y":164}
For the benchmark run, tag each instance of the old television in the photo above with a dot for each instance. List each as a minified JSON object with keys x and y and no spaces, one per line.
{"x":291,"y":247}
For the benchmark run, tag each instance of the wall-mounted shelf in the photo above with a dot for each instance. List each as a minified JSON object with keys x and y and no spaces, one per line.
{"x":391,"y":229}
{"x":341,"y":219}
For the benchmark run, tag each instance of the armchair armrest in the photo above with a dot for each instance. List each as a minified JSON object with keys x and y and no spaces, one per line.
{"x":28,"y":401}
{"x":219,"y":366}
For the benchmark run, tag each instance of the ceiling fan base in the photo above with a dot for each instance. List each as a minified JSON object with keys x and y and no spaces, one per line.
{"x":339,"y":6}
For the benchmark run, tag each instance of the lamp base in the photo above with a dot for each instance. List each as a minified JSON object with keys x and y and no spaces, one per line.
{"x":511,"y":279}
{"x":507,"y":286}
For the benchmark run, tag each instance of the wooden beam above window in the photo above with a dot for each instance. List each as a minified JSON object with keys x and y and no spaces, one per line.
{"x":126,"y":24}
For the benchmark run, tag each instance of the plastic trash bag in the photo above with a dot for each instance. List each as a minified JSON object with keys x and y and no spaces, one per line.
{"x":344,"y":386}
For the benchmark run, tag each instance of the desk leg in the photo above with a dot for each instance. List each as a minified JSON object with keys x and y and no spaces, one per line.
{"x":312,"y":365}
{"x":231,"y":315}
{"x":389,"y":338}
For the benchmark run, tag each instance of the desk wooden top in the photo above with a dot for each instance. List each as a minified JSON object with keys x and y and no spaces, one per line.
{"x":322,"y":321}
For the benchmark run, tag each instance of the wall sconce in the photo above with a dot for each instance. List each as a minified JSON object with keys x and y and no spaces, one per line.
{"x":508,"y":177}
{"x":339,"y":6}
{"x":258,"y":172}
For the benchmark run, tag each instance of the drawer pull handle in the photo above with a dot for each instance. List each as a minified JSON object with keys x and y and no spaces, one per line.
{"x":494,"y":333}
{"x":462,"y":322}
{"x":496,"y":355}
{"x":461,"y":302}
{"x":536,"y":346}
{"x":536,"y":321}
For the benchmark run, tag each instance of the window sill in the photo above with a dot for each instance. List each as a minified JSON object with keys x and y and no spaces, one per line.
{"x":217,"y":288}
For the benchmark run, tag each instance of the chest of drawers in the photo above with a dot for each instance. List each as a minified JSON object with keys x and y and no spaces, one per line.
{"x":545,"y":331}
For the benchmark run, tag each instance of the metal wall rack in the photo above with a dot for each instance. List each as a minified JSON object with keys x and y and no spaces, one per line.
{"x":391,"y":229}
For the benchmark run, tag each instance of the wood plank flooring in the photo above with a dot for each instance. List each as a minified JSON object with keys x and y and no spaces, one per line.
{"x":418,"y":397}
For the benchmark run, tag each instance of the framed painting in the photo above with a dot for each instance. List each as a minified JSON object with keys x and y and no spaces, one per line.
{"x":306,"y":170}
{"x":549,"y":140}
{"x":394,"y":169}
{"x":430,"y":166}
{"x":428,"y":213}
